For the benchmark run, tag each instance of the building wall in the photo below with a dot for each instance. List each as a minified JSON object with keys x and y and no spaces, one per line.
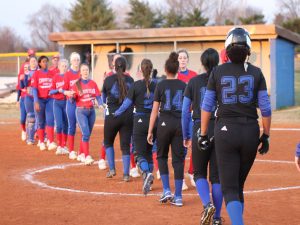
{"x":282,"y":73}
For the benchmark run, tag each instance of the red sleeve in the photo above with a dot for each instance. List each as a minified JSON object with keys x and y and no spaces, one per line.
{"x":34,"y":80}
{"x":66,"y":82}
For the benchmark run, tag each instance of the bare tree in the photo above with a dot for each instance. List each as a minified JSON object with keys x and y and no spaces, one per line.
{"x":46,"y":20}
{"x":10,"y":41}
{"x":290,"y":8}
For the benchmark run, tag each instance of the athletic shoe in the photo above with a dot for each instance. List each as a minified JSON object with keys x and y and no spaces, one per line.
{"x":81,"y":158}
{"x":177,"y":201}
{"x":47,"y":142}
{"x":23,"y":136}
{"x":191,"y":176}
{"x":102,"y":164}
{"x":217,"y":221}
{"x":134,"y":172}
{"x":184,"y":186}
{"x":43,"y":147}
{"x":126,"y":177}
{"x":59,"y":151}
{"x":111,"y":173}
{"x":38,"y":144}
{"x":52,"y":146}
{"x":65,"y":151}
{"x":207,"y":214}
{"x":30,"y":142}
{"x":148,"y":181}
{"x":88,"y":160}
{"x":157,"y":175}
{"x":73,"y":155}
{"x":166,"y":196}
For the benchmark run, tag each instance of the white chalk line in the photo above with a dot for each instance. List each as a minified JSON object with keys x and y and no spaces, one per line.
{"x":29,"y":176}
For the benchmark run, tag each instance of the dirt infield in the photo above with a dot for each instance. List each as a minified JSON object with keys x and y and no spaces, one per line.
{"x":78,"y":194}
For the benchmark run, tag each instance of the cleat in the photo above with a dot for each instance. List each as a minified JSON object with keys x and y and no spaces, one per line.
{"x":191,"y":176}
{"x":30,"y":142}
{"x":43,"y":146}
{"x":177,"y":201}
{"x":81,"y":158}
{"x":59,"y":151}
{"x":23,"y":136}
{"x":166,"y":196}
{"x":126,"y":178}
{"x":134,"y":172}
{"x":52,"y":146}
{"x":88,"y":160}
{"x":184,"y":186}
{"x":65,"y":151}
{"x":148,"y":181}
{"x":207,"y":214}
{"x":73,"y":155}
{"x":111,"y":173}
{"x":217,"y":221}
{"x":102,"y":164}
{"x":38,"y":144}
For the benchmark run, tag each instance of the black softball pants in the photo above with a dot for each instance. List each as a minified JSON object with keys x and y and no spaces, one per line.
{"x":122,"y":124}
{"x":169,"y":132}
{"x":236,"y":142}
{"x":202,"y":158}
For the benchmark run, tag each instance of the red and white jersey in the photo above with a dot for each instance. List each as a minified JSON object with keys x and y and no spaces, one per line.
{"x":71,"y":77}
{"x":58,"y":83}
{"x":86,"y":98}
{"x":18,"y":87}
{"x":54,"y":70}
{"x":42,"y":81}
{"x":185,"y":76}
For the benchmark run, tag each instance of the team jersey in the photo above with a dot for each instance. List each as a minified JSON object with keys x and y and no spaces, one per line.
{"x":23,"y":91}
{"x":236,"y":90}
{"x":111,"y":92}
{"x":42,"y":81}
{"x":138,"y":95}
{"x":58,"y":83}
{"x":89,"y":92}
{"x":170,"y":95}
{"x":71,"y":77}
{"x":195,"y":91}
{"x":112,"y":73}
{"x":186,"y":75}
{"x":54,"y":70}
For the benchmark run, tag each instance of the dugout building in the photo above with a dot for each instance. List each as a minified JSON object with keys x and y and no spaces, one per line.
{"x":272,"y":50}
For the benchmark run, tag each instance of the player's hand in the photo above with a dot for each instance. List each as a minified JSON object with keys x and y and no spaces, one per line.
{"x":264,"y":140}
{"x":203,"y":142}
{"x":18,"y":104}
{"x":37,"y":106}
{"x":211,"y":142}
{"x":297,"y":162}
{"x":150,"y":138}
{"x":187,"y":143}
{"x":22,"y":76}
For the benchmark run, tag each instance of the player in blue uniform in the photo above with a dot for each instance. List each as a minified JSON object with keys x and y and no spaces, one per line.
{"x":193,"y":96}
{"x":114,"y":91}
{"x":141,"y":96}
{"x":168,"y":98}
{"x":237,"y":87}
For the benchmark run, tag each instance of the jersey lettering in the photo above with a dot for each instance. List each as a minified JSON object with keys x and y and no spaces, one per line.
{"x":148,"y":101}
{"x":176,"y":101}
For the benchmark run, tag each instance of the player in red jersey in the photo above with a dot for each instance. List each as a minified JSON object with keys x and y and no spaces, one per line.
{"x":54,"y":67}
{"x":41,"y":83}
{"x":71,"y":76}
{"x":59,"y":107}
{"x":85,"y":92}
{"x":184,"y":74}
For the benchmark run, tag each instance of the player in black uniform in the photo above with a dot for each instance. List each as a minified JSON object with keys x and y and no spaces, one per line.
{"x":141,"y":95}
{"x":168,"y":98}
{"x":237,"y":87}
{"x":114,"y":91}
{"x":193,"y":95}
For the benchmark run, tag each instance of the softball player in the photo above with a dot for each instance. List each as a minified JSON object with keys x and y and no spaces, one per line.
{"x":297,"y":157}
{"x":21,"y":100}
{"x":168,"y":97}
{"x":193,"y":96}
{"x":237,"y":87}
{"x":85,"y":92}
{"x":114,"y":91}
{"x":41,"y":83}
{"x":141,"y":96}
{"x":184,"y":74}
{"x":54,"y":67}
{"x":59,"y":107}
{"x":70,"y":77}
{"x":28,"y":101}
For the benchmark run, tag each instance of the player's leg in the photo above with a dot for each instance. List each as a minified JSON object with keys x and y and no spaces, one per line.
{"x":70,"y":110}
{"x":50,"y":123}
{"x":64,"y":126}
{"x":23,"y":118}
{"x":58,"y":118}
{"x":30,"y":128}
{"x":41,"y":123}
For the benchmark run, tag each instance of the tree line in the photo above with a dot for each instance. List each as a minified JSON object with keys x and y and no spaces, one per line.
{"x":85,"y":15}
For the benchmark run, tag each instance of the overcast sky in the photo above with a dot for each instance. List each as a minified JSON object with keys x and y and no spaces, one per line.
{"x":14,"y":13}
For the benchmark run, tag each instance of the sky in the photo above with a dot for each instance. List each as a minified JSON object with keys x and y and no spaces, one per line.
{"x":14,"y":13}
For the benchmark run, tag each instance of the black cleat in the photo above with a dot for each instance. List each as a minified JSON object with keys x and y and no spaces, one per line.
{"x":111,"y":173}
{"x":126,"y":177}
{"x":166,"y":196}
{"x":217,"y":221}
{"x":207,"y":214}
{"x":148,"y":181}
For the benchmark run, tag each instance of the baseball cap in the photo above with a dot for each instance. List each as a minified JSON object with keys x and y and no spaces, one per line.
{"x":55,"y":56}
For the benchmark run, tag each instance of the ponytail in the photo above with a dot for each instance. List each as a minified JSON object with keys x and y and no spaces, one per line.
{"x":209,"y":59}
{"x":146,"y":67}
{"x":172,"y":64}
{"x":120,"y":67}
{"x":78,"y":85}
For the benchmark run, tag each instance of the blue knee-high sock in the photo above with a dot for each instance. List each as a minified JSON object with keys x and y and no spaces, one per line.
{"x":126,"y":164}
{"x":165,"y":181}
{"x":110,"y":153}
{"x":150,"y":167}
{"x":144,"y":166}
{"x":235,"y":212}
{"x":178,"y":188}
{"x":203,"y":190}
{"x":243,"y":205}
{"x":217,"y":198}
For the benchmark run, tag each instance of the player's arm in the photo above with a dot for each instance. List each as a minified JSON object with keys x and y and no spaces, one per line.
{"x":126,"y":103}
{"x":153,"y":116}
{"x":209,"y":101}
{"x":185,"y":121}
